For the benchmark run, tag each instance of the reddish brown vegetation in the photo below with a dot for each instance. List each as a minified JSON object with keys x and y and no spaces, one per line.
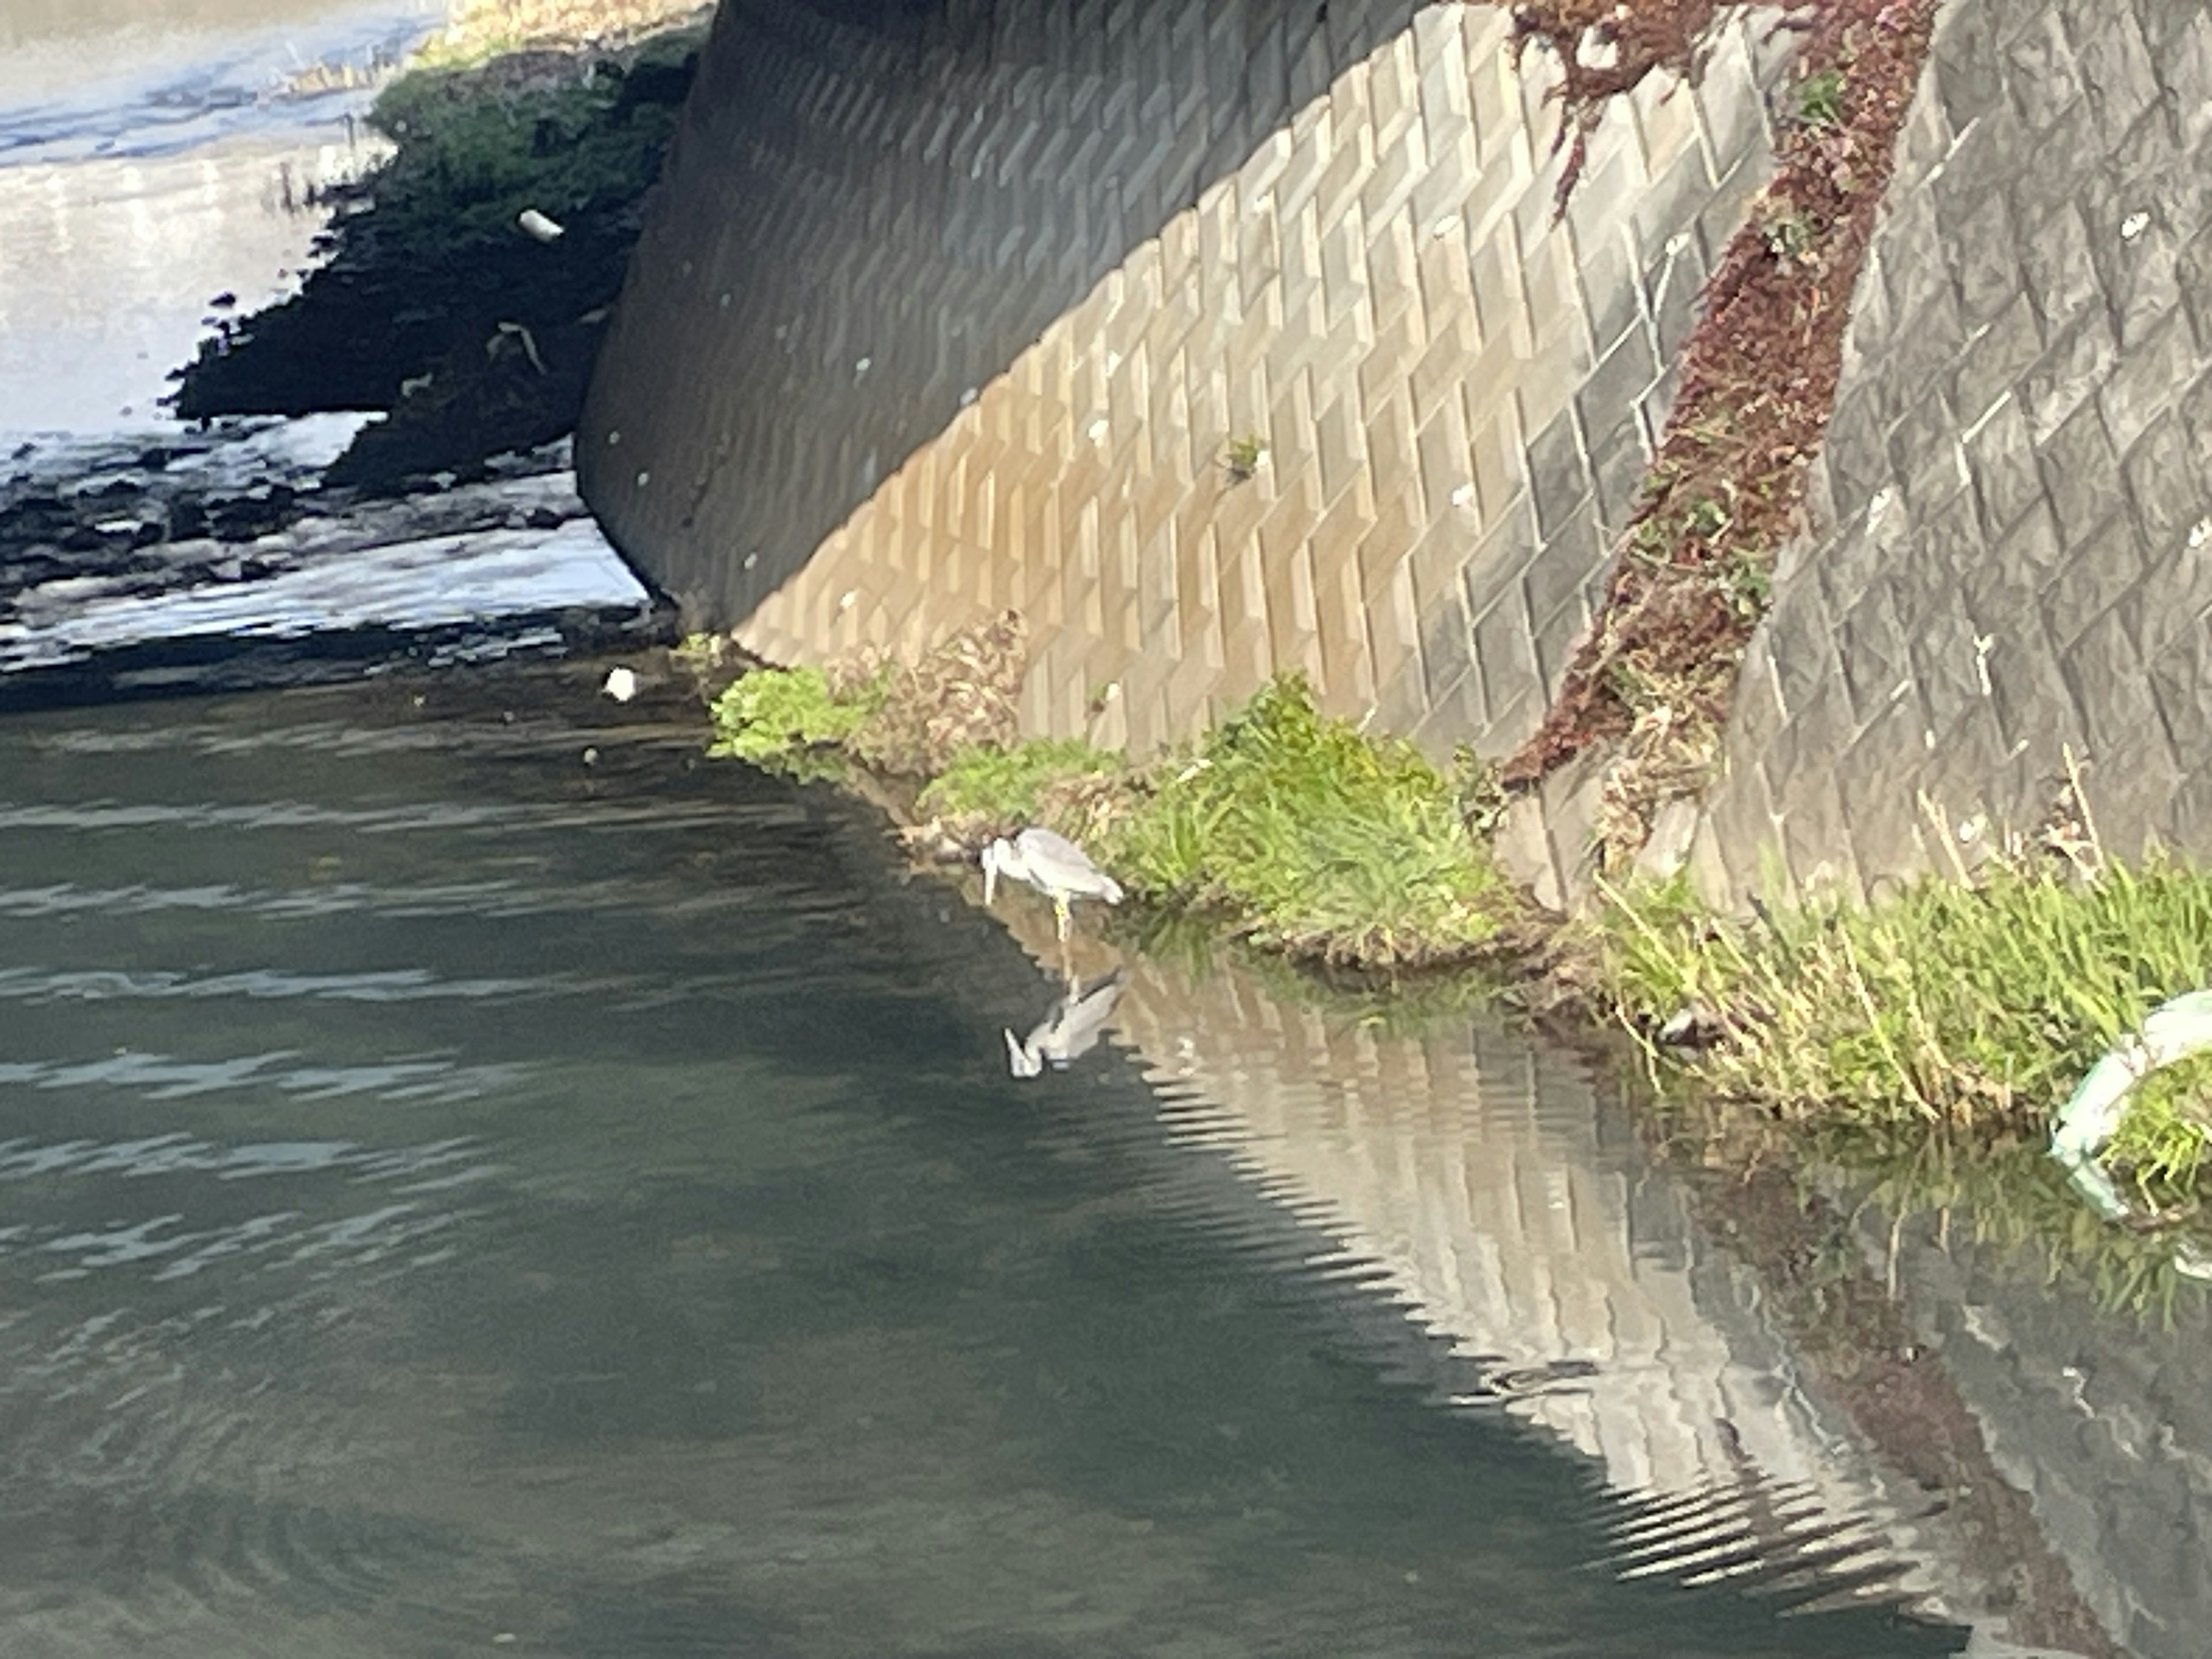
{"x":1758,"y":370}
{"x":1634,"y":40}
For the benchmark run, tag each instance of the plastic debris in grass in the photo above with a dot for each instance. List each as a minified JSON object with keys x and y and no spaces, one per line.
{"x":2174,"y":1031}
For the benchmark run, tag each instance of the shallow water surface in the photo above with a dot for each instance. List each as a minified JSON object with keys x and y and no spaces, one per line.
{"x":470,"y":1174}
{"x":156,"y":156}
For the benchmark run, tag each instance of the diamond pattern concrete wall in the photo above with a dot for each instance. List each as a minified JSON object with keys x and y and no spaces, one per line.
{"x":2019,"y":477}
{"x":935,"y":317}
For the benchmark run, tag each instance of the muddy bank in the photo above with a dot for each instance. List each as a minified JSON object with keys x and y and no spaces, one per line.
{"x":224,"y":559}
{"x":434,"y":306}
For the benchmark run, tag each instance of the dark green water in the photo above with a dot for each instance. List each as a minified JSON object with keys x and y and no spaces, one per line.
{"x":457,"y":1198}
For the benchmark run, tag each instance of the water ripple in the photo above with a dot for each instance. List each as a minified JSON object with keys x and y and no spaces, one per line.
{"x":487,"y":899}
{"x":176,"y":1153}
{"x":44,"y":984}
{"x":162,"y":1076}
{"x":414,"y":816}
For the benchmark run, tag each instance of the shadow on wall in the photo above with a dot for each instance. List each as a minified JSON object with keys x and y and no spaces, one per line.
{"x":977,"y":310}
{"x":819,"y":127}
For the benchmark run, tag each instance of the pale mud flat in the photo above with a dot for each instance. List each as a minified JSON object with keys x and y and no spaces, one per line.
{"x":512,"y":562}
{"x":161,"y":172}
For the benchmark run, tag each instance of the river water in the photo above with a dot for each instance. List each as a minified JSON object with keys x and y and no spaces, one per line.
{"x":474,"y":1176}
{"x":469,"y":1171}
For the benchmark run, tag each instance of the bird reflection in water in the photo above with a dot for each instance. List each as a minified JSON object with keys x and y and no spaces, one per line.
{"x":1071,"y":1028}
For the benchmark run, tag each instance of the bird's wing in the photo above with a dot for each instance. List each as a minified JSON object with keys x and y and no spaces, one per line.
{"x":1085,"y":1020}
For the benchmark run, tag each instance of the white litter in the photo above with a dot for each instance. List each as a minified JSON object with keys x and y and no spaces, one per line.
{"x":2173,"y":1031}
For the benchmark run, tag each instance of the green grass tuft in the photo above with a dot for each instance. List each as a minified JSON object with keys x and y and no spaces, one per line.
{"x":781,"y":717}
{"x":1296,"y":830}
{"x":1009,"y":786}
{"x":2161,"y":1142}
{"x":1314,"y":839}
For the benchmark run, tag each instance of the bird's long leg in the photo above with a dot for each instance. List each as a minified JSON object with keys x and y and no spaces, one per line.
{"x":1060,"y":915}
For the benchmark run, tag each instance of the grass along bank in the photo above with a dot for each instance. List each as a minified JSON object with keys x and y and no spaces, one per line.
{"x":1281,"y":826}
{"x":1969,"y":1008}
{"x":479,"y":29}
{"x":1929,"y":1038}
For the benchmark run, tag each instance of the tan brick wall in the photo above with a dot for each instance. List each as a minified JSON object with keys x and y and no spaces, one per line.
{"x":929,"y":324}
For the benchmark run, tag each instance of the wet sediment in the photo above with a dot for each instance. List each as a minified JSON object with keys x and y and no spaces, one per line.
{"x":435,"y":307}
{"x":222,"y":560}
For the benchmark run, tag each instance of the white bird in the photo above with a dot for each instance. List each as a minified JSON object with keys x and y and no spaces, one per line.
{"x":1052,"y":864}
{"x":1071,"y":1028}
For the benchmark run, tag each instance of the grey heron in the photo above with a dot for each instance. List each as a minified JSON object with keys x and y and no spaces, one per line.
{"x":1069,"y":1030}
{"x":1052,"y":864}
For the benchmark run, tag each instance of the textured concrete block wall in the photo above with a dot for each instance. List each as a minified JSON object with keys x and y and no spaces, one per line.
{"x":2019,"y":476}
{"x":952,"y":307}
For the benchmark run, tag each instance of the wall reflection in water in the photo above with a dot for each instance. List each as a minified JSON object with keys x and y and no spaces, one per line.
{"x":1493,"y":1190}
{"x":2101,"y":1419}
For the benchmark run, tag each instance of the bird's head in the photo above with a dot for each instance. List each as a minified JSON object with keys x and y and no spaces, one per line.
{"x":1021,"y":1060}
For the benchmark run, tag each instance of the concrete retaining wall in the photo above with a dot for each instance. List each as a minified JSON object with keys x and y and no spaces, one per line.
{"x":945,"y":310}
{"x":2019,"y":477}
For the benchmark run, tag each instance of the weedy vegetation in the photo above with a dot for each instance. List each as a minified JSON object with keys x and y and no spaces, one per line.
{"x":1956,"y":1007}
{"x":993,"y":791}
{"x":787,"y":720}
{"x":475,"y":147}
{"x":1306,"y":835}
{"x":1655,"y":676}
{"x":1283,"y":826}
{"x":2162,"y":1141}
{"x":1242,"y":456}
